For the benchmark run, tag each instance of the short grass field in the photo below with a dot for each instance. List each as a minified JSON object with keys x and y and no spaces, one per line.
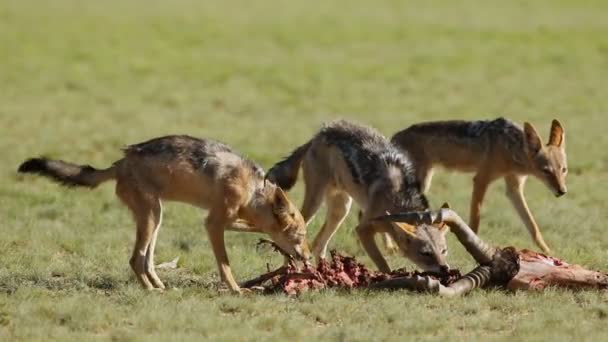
{"x":81,"y":79}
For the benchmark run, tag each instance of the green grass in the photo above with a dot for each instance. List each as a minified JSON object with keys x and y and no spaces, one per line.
{"x":80,"y":79}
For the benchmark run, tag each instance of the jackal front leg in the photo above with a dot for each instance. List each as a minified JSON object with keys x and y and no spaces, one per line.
{"x":366,"y":232}
{"x":216,"y":221}
{"x":515,"y":192}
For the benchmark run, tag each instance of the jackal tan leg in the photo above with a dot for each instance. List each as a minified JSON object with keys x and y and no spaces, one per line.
{"x":145,"y":224}
{"x":312,"y":203}
{"x":515,"y":193}
{"x":143,"y":237}
{"x":314,"y":191}
{"x":481,"y":181}
{"x":216,"y":221}
{"x":389,"y":244}
{"x":366,"y":232}
{"x":338,"y":206}
{"x":424,"y":174}
{"x":150,"y":266}
{"x":145,"y":210}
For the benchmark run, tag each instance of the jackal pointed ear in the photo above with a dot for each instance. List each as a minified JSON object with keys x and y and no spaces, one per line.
{"x":445,"y":205}
{"x":280,"y":202}
{"x":532,"y":139}
{"x":409,"y":230}
{"x":557,"y":135}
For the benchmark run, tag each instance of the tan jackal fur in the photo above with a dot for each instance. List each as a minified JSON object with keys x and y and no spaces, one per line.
{"x":345,"y":160}
{"x":492,"y":150}
{"x":203,"y":173}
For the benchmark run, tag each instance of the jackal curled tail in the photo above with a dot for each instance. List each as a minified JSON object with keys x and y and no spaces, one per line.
{"x":492,"y":150}
{"x":345,"y":161}
{"x":204,"y":173}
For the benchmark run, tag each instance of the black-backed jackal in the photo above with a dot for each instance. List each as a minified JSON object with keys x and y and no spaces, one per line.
{"x":203,"y":173}
{"x":492,"y":150}
{"x":345,"y":160}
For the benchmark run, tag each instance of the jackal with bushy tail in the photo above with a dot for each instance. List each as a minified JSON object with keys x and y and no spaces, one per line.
{"x":204,"y":173}
{"x":344,"y":161}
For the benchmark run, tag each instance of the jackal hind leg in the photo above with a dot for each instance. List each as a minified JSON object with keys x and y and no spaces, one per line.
{"x":338,"y":206}
{"x":315,"y":185}
{"x":150,"y":266}
{"x":146,"y":213}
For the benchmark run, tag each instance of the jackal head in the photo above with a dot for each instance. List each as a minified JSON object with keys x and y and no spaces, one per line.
{"x":423,"y":244}
{"x":548,"y":162}
{"x":280,"y":219}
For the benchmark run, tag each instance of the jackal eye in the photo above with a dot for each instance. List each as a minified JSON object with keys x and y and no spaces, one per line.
{"x":564,"y":170}
{"x":444,"y":252}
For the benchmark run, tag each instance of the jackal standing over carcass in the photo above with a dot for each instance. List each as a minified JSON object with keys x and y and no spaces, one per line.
{"x":344,"y":161}
{"x":204,"y":173}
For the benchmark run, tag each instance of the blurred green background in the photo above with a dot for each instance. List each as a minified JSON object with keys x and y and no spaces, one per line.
{"x":81,"y":79}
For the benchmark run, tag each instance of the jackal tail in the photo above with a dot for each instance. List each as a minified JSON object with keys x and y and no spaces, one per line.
{"x":285,"y":173}
{"x":68,"y":174}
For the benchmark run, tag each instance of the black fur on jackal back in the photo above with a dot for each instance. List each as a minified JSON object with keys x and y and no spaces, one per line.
{"x":368,"y":155}
{"x":200,"y":153}
{"x":65,"y":173}
{"x":482,"y":133}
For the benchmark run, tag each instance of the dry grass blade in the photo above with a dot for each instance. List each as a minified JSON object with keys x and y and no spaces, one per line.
{"x":173,"y":264}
